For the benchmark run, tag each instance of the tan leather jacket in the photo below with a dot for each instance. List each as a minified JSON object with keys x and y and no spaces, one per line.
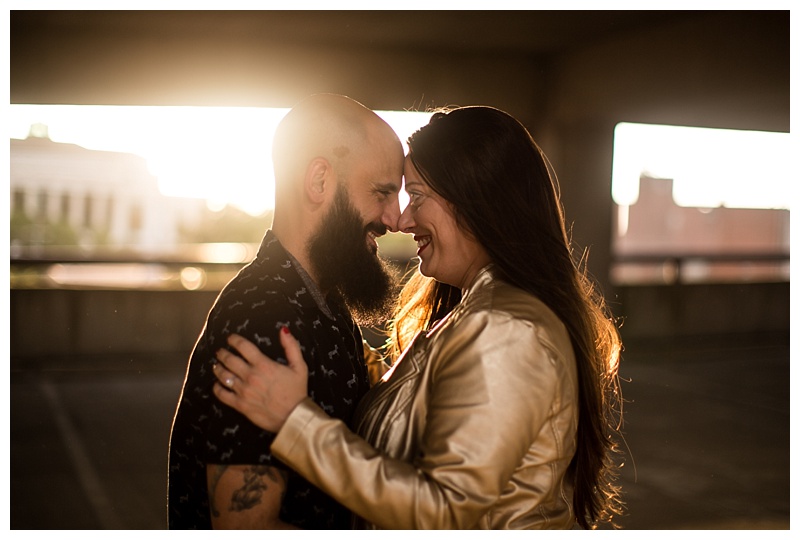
{"x":474,"y":426}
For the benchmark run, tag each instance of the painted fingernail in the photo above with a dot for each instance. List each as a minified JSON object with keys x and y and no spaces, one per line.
{"x":285,"y":329}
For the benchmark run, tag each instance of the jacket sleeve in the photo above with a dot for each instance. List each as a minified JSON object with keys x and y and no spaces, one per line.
{"x":493,"y":385}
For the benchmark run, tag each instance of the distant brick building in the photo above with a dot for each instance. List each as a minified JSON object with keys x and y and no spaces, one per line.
{"x":655,"y":226}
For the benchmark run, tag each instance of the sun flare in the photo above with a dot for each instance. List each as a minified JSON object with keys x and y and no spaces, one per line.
{"x":220,"y":154}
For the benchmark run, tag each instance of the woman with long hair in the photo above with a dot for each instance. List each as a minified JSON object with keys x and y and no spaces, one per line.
{"x":502,"y":407}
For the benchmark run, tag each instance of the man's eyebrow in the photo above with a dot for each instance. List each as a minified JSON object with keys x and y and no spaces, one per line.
{"x":386,"y":186}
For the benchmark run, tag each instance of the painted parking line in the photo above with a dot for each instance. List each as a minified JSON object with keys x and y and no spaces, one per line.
{"x":87,"y":474}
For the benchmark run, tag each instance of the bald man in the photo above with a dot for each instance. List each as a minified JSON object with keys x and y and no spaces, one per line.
{"x":338,"y":172}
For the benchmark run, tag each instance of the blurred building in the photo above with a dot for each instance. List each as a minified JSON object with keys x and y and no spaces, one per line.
{"x":710,"y":244}
{"x":67,"y":195}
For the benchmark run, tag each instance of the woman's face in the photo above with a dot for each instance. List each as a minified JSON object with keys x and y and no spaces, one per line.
{"x":446,"y":253}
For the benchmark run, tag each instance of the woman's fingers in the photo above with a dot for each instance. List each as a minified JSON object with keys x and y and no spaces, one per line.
{"x":294,"y":356}
{"x":264,"y":391}
{"x":247,"y":349}
{"x":226,"y":397}
{"x":250,"y":356}
{"x":224,"y":376}
{"x":232,"y":363}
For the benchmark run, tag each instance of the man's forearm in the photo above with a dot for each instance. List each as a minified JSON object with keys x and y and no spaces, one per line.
{"x":246,"y":496}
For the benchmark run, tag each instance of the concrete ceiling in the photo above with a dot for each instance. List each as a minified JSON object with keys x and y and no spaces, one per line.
{"x":91,"y":56}
{"x":533,"y":32}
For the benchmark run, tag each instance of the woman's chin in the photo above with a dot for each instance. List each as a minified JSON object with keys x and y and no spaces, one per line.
{"x":425,"y":269}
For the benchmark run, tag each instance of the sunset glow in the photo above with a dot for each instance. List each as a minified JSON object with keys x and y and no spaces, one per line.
{"x":218,"y":154}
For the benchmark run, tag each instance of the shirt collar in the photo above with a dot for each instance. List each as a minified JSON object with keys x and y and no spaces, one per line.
{"x":312,"y":287}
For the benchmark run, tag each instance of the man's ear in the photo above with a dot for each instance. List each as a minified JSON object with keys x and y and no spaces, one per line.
{"x":319,"y":180}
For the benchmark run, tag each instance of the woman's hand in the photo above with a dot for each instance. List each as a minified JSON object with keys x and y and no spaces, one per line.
{"x":258,"y":387}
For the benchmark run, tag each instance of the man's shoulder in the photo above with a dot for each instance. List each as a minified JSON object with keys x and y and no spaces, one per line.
{"x":266,"y":281}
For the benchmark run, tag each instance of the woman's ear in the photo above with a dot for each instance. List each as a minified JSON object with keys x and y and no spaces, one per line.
{"x":318,"y":180}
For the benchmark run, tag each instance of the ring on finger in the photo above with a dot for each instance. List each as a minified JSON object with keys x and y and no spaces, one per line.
{"x":229,"y":382}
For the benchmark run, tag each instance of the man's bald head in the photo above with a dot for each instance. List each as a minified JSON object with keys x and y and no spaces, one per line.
{"x":329,"y":126}
{"x":338,"y":172}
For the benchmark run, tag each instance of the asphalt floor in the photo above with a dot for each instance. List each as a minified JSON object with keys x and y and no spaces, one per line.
{"x":707,"y":438}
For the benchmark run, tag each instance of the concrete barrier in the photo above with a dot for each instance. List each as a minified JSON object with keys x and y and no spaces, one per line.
{"x":141,"y":325}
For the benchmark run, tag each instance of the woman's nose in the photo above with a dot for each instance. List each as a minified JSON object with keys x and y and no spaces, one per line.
{"x":406,"y":221}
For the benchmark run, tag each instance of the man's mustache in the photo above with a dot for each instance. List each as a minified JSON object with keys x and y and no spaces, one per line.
{"x":378,"y":228}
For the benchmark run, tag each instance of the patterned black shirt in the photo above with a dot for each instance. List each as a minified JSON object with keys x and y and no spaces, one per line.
{"x":266,"y":294}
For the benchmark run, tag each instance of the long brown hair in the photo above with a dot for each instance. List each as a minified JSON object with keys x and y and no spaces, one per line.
{"x":503,"y":192}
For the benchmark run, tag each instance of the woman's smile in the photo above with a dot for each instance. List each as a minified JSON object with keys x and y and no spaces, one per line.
{"x":422,"y":243}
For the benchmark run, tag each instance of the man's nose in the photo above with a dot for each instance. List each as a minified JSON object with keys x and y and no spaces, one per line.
{"x":391,"y":215}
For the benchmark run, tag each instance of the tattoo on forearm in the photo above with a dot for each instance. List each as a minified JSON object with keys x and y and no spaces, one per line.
{"x":249,"y":495}
{"x":218,"y":472}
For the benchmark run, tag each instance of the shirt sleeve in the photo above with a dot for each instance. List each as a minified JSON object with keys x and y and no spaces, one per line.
{"x":493,"y":385}
{"x":230,"y":437}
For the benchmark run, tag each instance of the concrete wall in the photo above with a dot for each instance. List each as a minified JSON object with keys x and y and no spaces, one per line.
{"x":81,"y":325}
{"x":681,"y":311}
{"x":146,"y":327}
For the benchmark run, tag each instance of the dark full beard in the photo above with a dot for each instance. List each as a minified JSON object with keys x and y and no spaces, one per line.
{"x":342,"y":261}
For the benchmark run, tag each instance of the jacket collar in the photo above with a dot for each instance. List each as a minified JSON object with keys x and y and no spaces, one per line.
{"x":484,"y":276}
